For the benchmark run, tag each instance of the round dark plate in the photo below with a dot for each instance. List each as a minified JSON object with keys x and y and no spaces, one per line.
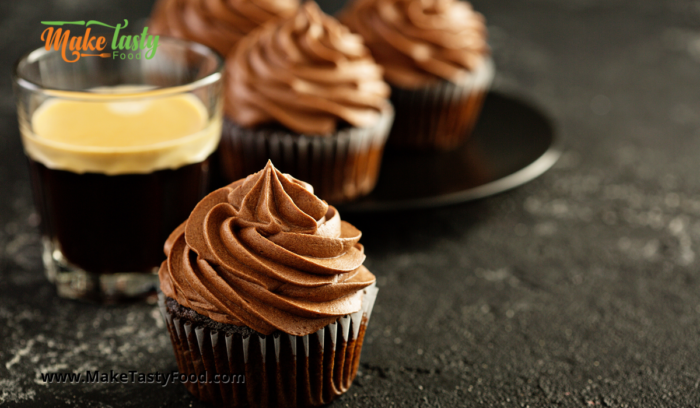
{"x":512,"y":144}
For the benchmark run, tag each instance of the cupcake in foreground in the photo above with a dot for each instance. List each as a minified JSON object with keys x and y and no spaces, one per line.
{"x":219,"y":24}
{"x":264,"y":286}
{"x":437,"y":60}
{"x":306,"y":93}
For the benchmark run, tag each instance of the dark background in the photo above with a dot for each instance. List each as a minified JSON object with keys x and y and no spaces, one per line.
{"x":578,"y":289}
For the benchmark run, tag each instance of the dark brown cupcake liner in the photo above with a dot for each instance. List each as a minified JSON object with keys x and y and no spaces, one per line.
{"x":277,"y":370}
{"x":340,"y":167}
{"x":439,"y":116}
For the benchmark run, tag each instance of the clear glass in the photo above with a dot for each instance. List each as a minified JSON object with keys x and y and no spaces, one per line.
{"x":106,"y":211}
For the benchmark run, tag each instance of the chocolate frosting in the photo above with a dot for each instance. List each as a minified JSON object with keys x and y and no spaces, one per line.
{"x":265,"y":253}
{"x":419,"y":42}
{"x":219,"y":24}
{"x":307,"y":73}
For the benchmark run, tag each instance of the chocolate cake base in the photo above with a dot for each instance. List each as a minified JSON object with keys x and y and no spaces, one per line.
{"x":236,"y":366}
{"x":440,"y":116}
{"x":341,"y":167}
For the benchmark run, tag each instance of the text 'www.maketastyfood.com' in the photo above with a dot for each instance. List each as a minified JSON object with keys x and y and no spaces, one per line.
{"x":135,"y":377}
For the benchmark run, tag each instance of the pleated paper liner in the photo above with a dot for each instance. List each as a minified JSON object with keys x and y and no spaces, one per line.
{"x":340,"y":167}
{"x":278,"y":370}
{"x":439,"y":116}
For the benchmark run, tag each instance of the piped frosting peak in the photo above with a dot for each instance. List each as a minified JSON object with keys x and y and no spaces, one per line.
{"x":264,"y":252}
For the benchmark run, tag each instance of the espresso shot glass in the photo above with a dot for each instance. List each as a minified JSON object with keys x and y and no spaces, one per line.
{"x":119,"y":153}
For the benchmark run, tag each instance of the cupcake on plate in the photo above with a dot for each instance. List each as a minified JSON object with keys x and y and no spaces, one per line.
{"x":306,"y":93}
{"x":264,"y":290}
{"x":219,"y":24}
{"x":437,"y":60}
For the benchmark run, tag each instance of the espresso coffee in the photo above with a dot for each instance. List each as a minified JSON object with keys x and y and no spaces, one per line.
{"x":113,"y":179}
{"x":109,"y":224}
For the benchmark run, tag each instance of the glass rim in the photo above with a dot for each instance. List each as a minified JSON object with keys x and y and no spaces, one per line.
{"x":156,"y":91}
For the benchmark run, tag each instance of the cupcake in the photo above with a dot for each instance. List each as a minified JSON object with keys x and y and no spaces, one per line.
{"x":437,"y":60}
{"x":306,"y":93}
{"x":265,"y":295}
{"x":219,"y":24}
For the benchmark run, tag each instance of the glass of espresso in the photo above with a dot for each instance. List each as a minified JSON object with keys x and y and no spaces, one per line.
{"x":119,"y":153}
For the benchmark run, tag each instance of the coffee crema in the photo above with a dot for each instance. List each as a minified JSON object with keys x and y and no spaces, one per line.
{"x":113,"y":175}
{"x":111,"y":135}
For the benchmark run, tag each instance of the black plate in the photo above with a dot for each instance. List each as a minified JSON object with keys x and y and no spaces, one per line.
{"x":512,"y":144}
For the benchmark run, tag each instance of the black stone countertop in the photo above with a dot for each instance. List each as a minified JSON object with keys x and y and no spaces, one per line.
{"x":579,"y":289}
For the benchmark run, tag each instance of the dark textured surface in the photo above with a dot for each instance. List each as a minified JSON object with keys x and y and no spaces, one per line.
{"x":578,"y":289}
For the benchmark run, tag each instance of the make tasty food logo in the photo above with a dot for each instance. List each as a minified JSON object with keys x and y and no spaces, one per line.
{"x":86,"y":44}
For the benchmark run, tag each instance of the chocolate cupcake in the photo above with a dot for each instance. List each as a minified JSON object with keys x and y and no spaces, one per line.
{"x":306,"y":93}
{"x":437,"y":60}
{"x":264,"y":290}
{"x":219,"y":24}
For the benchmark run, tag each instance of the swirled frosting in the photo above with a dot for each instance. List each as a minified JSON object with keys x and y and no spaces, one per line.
{"x":219,"y":24}
{"x":266,"y":253}
{"x":308,"y":73}
{"x":419,"y":42}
